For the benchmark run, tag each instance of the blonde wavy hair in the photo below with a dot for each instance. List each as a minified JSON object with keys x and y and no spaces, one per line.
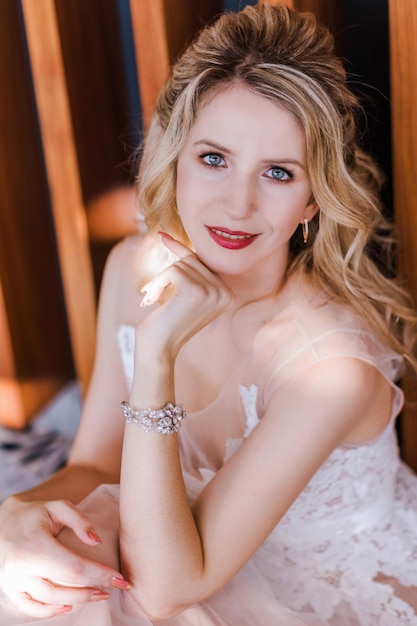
{"x":289,"y":58}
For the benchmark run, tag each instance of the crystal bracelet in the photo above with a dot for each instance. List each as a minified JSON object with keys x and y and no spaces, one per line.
{"x":166,"y":421}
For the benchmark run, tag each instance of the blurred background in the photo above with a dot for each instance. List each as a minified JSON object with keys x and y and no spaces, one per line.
{"x":78,"y":80}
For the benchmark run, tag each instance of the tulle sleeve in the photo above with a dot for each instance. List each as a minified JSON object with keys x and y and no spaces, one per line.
{"x":334,"y":331}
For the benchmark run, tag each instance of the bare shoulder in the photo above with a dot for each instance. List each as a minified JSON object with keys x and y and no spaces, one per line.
{"x":344,"y":395}
{"x":129,"y":266}
{"x":346,"y":375}
{"x":127,"y":256}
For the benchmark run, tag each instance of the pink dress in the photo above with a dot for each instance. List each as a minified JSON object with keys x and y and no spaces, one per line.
{"x":345,"y":553}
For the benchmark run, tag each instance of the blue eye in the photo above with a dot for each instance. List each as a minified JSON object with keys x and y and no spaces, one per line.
{"x":279,"y":173}
{"x":212,"y":159}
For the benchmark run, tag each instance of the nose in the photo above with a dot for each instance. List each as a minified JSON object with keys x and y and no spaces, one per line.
{"x":240,"y":196}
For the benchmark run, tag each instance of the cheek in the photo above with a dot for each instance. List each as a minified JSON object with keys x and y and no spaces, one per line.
{"x":182,"y":193}
{"x":285,"y":214}
{"x":184,"y":201}
{"x":187,"y":205}
{"x":186,"y":188}
{"x":191,"y":198}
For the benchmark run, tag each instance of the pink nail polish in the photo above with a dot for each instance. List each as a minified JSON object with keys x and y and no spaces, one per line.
{"x":162,"y":234}
{"x":93,"y":536}
{"x":63,"y":609}
{"x":98,"y":595}
{"x":120,"y":583}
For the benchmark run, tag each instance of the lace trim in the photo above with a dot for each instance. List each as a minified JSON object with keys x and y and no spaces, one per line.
{"x":318,"y":561}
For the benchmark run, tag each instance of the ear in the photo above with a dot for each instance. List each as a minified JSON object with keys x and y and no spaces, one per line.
{"x":310,"y":211}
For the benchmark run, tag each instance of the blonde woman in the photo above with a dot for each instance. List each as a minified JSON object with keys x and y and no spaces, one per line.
{"x":256,"y":347}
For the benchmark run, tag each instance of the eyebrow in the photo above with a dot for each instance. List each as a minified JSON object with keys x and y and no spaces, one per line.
{"x":212,"y":144}
{"x":224,"y":150}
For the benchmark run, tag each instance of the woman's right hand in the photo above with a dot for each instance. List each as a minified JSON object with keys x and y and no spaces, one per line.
{"x":197,"y":296}
{"x":39,"y":575}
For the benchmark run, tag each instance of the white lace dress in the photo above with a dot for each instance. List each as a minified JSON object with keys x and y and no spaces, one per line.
{"x":345,"y":554}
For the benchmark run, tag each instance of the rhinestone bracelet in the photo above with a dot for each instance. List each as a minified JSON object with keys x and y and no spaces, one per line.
{"x":166,"y":421}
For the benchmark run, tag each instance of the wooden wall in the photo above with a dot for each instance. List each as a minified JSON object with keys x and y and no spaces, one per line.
{"x":52,"y":157}
{"x":34,"y":345}
{"x":403,"y":38}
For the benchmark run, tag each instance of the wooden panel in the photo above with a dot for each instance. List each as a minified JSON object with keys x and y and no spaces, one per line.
{"x":11,"y":404}
{"x":96,"y":77}
{"x":100,"y":70}
{"x":20,"y":397}
{"x":403,"y":50}
{"x":35,"y":357}
{"x":151,"y":48}
{"x":63,"y":179}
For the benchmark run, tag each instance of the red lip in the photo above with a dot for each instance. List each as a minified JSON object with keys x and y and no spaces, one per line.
{"x":230,"y":239}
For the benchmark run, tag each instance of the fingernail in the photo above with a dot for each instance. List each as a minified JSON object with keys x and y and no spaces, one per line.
{"x":63,"y":609}
{"x":93,"y":536}
{"x":120,"y":583}
{"x":162,"y":234}
{"x":98,"y":595}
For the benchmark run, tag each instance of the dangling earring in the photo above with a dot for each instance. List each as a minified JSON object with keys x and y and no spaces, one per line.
{"x":304,"y":226}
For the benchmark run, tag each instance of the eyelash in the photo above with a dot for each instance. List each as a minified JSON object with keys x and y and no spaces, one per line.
{"x":282,"y":169}
{"x":288,"y":172}
{"x":203,"y":155}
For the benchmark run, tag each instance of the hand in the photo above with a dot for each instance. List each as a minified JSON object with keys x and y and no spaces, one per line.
{"x":191,"y":296}
{"x":31,"y":558}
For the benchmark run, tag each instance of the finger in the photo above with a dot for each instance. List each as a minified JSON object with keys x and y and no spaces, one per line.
{"x":81,"y":563}
{"x":175,"y":246}
{"x":25,"y":604}
{"x":23,"y":590}
{"x":65,"y":567}
{"x":187,"y":271}
{"x":45,"y":592}
{"x":153,"y":291}
{"x":52,"y":560}
{"x":66,"y":514}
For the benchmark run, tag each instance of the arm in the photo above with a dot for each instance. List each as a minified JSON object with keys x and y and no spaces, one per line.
{"x":176,"y":556}
{"x":31,"y":521}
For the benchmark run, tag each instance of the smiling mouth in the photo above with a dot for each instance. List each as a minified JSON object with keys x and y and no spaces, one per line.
{"x":232,"y":240}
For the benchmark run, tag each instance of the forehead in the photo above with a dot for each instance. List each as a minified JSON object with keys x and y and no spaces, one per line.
{"x":240,"y":113}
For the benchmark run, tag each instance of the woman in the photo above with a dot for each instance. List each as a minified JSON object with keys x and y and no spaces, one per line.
{"x":259,"y":474}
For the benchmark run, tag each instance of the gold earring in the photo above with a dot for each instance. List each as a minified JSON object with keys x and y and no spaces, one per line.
{"x":304,"y":226}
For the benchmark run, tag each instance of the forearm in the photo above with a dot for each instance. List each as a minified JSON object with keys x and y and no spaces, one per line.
{"x":159,"y":538}
{"x":72,"y":483}
{"x":162,"y":548}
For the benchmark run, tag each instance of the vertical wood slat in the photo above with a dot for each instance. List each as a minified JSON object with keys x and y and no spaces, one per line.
{"x":12,"y":411}
{"x":63,"y":179}
{"x":403,"y":66}
{"x":151,"y":50}
{"x":19,"y":399}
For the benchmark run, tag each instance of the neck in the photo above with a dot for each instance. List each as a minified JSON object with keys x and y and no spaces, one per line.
{"x":255,"y":286}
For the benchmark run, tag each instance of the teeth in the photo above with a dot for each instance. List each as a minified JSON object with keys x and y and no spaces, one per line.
{"x":229,"y":236}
